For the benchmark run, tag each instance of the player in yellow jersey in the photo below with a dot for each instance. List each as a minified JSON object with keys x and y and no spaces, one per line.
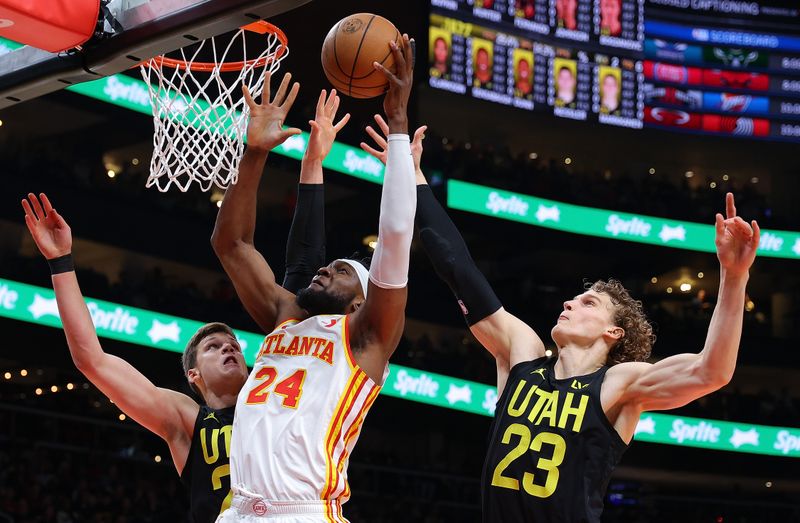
{"x":562,"y":423}
{"x":326,"y":355}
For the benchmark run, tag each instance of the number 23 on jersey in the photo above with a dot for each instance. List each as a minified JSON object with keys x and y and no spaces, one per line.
{"x":549,"y":466}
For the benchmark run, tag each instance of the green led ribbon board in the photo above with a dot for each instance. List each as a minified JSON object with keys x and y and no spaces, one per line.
{"x":37,"y":305}
{"x":604,"y":223}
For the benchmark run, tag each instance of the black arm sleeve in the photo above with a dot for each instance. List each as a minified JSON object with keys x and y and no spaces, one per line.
{"x":305,"y":248}
{"x":451,"y":259}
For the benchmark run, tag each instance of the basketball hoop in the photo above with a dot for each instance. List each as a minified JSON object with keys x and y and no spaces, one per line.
{"x":199,"y":113}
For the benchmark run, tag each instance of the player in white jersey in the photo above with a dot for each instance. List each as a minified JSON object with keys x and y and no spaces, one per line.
{"x":319,"y":370}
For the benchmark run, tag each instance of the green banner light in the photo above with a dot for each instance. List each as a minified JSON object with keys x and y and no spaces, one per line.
{"x":37,"y":305}
{"x":604,"y":223}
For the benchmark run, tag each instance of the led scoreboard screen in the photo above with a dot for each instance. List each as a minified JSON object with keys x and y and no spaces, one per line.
{"x":504,"y":67}
{"x":631,"y":63}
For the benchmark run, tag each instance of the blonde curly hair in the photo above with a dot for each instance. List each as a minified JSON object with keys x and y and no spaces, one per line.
{"x":637,"y":342}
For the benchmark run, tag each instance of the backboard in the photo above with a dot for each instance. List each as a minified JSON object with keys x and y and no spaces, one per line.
{"x":143,"y":29}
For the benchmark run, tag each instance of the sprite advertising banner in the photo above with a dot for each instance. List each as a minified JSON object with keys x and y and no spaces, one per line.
{"x":604,"y":223}
{"x":37,"y":305}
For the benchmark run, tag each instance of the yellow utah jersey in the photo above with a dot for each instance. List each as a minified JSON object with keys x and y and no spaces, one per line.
{"x":300,"y":413}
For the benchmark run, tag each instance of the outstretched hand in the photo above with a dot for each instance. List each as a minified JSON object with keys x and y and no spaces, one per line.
{"x":265,"y":130}
{"x":736,"y":240}
{"x":50,"y":231}
{"x":395,"y":103}
{"x":380,"y":141}
{"x":323,"y":130}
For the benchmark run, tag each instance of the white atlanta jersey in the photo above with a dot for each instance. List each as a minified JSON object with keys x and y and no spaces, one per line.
{"x":299,"y":414}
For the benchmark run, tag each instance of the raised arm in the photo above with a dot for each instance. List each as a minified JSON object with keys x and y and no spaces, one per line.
{"x":266,"y":301}
{"x":679,"y":379}
{"x":167,"y":413}
{"x":305,"y":247}
{"x":377,"y":325}
{"x":506,"y":337}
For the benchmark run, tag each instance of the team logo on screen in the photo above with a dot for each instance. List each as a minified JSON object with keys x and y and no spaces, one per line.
{"x":671,"y":117}
{"x":671,"y":73}
{"x":736,"y":58}
{"x":673,"y":96}
{"x":736,"y":125}
{"x":735,"y":103}
{"x":735,"y":79}
{"x":740,"y":126}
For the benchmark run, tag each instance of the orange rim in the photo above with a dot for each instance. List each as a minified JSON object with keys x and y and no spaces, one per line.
{"x":260,"y":26}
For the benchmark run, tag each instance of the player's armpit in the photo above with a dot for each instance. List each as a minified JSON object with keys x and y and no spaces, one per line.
{"x":667,"y":384}
{"x":267,"y":302}
{"x":376,"y":328}
{"x":508,"y":338}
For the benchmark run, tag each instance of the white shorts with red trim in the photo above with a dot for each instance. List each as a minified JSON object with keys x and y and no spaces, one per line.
{"x":251,"y":509}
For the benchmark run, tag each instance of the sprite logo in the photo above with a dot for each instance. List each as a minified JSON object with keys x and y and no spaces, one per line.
{"x":116,"y":320}
{"x":633,"y":227}
{"x":420,"y":386}
{"x":512,"y":205}
{"x":131,"y":92}
{"x":8,"y":298}
{"x":787,"y":442}
{"x":700,"y":432}
{"x":354,"y":162}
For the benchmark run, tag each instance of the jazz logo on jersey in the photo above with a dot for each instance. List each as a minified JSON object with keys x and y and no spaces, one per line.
{"x":549,"y":408}
{"x":319,"y":348}
{"x":210,"y":441}
{"x":577,"y":385}
{"x":539,"y":371}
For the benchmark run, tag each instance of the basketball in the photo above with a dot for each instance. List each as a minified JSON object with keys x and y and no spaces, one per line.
{"x":349,"y":50}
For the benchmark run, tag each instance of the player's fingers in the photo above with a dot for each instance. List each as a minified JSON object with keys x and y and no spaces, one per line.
{"x":287,"y":104}
{"x":288,"y":133}
{"x":321,"y":102}
{"x":334,"y":107}
{"x":37,"y":207}
{"x":314,"y":125}
{"x":382,"y":124}
{"x":30,"y":221}
{"x":379,"y":140}
{"x":60,"y":221}
{"x":281,"y":92}
{"x":338,"y":127}
{"x":265,"y":93}
{"x":27,"y":208}
{"x":739,"y":229}
{"x":743,"y":227}
{"x":329,"y":103}
{"x":719,"y":224}
{"x":730,"y":205}
{"x":249,"y":99}
{"x":46,"y":202}
{"x":756,"y":233}
{"x":386,"y":73}
{"x":419,"y":134}
{"x":409,"y":50}
{"x":377,"y":154}
{"x":397,"y":51}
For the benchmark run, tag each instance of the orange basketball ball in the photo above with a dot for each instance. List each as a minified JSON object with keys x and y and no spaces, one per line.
{"x":349,"y":50}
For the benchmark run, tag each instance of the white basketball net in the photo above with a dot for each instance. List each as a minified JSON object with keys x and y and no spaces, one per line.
{"x":200,"y":117}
